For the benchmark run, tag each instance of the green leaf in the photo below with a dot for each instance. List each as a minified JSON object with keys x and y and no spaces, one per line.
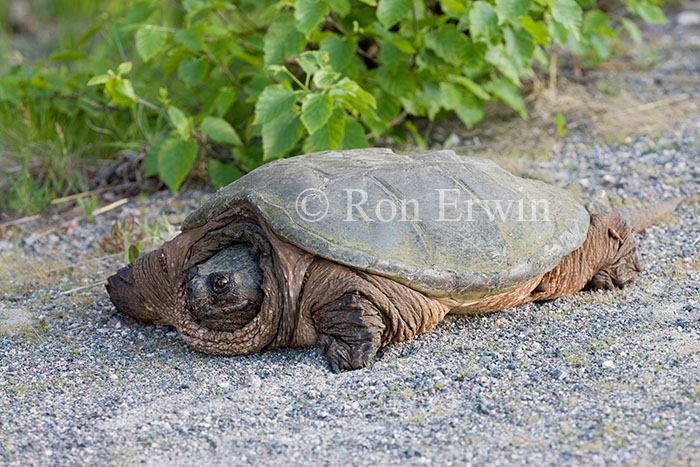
{"x":651,"y":13}
{"x":329,"y":135}
{"x":396,"y":79}
{"x":509,"y":93}
{"x":66,"y":56}
{"x":354,"y":136}
{"x":98,"y":79}
{"x":352,"y":97}
{"x":150,"y":41}
{"x":173,"y":59}
{"x":316,"y":110}
{"x":134,"y":252}
{"x":281,"y":135}
{"x":220,"y":130}
{"x":499,"y":57}
{"x":274,"y":101}
{"x":193,"y":70}
{"x":342,"y":7}
{"x":87,"y":35}
{"x":179,"y":121}
{"x":308,"y":14}
{"x":282,"y":40}
{"x":475,"y":89}
{"x":221,"y":174}
{"x":468,"y":107}
{"x":390,"y":12}
{"x":483,"y":21}
{"x":124,"y":68}
{"x":596,"y":22}
{"x":121,"y":92}
{"x":224,"y":99}
{"x":139,"y":12}
{"x":188,"y":40}
{"x":519,"y":45}
{"x":323,"y":79}
{"x":150,"y":162}
{"x":560,"y":122}
{"x":536,"y":29}
{"x":632,"y":30}
{"x":448,"y":44}
{"x":340,"y":50}
{"x":175,"y":159}
{"x":559,"y":33}
{"x":511,"y":10}
{"x":569,"y":14}
{"x":311,"y":61}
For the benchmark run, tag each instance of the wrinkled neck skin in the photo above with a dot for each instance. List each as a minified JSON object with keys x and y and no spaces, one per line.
{"x":153,"y":287}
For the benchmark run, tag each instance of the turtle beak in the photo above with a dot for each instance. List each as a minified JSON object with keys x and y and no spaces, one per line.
{"x":124,"y":294}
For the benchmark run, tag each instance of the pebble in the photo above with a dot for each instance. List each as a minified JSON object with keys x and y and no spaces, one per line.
{"x":688,"y":18}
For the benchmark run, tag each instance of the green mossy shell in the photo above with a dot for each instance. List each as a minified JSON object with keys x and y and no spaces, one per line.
{"x":426,"y":244}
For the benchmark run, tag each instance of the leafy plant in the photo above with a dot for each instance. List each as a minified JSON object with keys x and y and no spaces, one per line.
{"x":244,"y":82}
{"x":125,"y":235}
{"x":88,"y":205}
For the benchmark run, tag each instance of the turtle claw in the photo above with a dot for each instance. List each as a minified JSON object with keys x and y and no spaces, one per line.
{"x":342,"y":356}
{"x":350,"y":331}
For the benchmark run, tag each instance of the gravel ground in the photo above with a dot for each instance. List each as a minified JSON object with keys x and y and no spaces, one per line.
{"x":594,"y":378}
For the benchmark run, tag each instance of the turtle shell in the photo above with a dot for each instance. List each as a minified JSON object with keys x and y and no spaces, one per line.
{"x":446,"y":225}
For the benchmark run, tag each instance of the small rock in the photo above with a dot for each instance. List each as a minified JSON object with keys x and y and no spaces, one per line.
{"x":453,"y":140}
{"x":224,"y":384}
{"x":688,"y":18}
{"x":608,"y":364}
{"x":5,"y":245}
{"x":609,"y":179}
{"x":254,"y":382}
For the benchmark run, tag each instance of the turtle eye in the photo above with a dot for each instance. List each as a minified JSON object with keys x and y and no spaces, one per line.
{"x":219,"y":283}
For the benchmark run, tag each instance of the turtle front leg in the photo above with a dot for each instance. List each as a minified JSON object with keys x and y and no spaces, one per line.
{"x":350,"y":331}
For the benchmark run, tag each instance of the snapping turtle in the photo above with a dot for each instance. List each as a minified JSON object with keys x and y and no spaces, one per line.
{"x":352,"y":250}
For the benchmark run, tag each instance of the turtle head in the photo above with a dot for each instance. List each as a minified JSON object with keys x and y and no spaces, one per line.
{"x":224,"y":292}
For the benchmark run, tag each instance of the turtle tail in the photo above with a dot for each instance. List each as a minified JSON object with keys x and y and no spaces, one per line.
{"x":644,"y":216}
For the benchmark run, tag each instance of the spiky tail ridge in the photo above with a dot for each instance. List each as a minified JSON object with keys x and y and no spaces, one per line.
{"x":644,"y":216}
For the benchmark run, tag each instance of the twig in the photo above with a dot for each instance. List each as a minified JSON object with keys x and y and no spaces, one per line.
{"x":68,"y":292}
{"x":21,"y":220}
{"x":74,"y":196}
{"x":110,"y":206}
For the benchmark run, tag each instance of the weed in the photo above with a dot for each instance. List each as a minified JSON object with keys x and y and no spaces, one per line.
{"x":88,"y":205}
{"x":126,"y":236}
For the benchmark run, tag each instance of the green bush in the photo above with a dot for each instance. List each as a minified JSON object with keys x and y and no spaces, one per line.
{"x":245,"y":82}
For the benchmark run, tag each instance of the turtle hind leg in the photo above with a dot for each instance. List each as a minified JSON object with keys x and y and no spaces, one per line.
{"x":622,"y":263}
{"x":350,"y":331}
{"x":623,"y":270}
